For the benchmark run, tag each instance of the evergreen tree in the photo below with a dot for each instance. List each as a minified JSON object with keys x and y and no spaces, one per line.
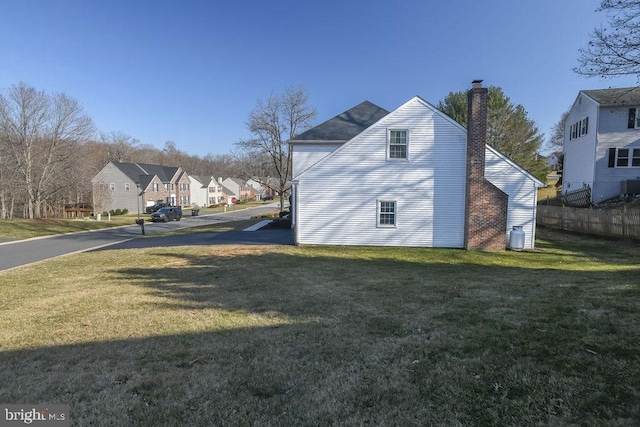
{"x":509,"y":130}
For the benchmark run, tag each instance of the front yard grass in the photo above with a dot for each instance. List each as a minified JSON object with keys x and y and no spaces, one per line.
{"x":16,"y":229}
{"x":275,"y":335}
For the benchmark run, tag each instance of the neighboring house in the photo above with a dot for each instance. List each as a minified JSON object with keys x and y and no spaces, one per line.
{"x":239,"y":188}
{"x":410,"y":177}
{"x":200,"y":189}
{"x":218,"y":194}
{"x":602,"y":143}
{"x":259,"y":189}
{"x":116,"y":186}
{"x":554,"y":161}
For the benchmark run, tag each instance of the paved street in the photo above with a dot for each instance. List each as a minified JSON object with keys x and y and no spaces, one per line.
{"x":18,"y":253}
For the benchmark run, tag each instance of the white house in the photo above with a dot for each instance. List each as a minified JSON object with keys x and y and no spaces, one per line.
{"x":602,"y":143}
{"x":207,"y":190}
{"x":200,"y":189}
{"x":403,"y":178}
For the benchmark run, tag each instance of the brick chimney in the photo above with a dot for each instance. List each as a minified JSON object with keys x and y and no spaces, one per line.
{"x":486,"y":205}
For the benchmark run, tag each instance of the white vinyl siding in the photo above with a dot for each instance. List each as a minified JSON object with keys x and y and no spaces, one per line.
{"x":337,"y":197}
{"x":306,"y":155}
{"x":580,"y":152}
{"x":520,"y":188}
{"x":612,"y":132}
{"x":199,"y":192}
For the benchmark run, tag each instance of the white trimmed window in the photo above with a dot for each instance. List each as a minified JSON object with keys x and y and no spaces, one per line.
{"x":387,"y":213}
{"x":398,"y":144}
{"x":624,"y":157}
{"x":127,"y":186}
{"x":155,"y":186}
{"x":112,"y":186}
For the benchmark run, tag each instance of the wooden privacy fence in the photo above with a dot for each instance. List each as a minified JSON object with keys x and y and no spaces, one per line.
{"x":620,"y":221}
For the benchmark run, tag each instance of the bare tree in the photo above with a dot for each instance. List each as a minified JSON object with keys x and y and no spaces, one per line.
{"x":273,"y":122}
{"x":614,"y":50}
{"x":38,"y":135}
{"x":119,"y":145}
{"x":556,"y":140}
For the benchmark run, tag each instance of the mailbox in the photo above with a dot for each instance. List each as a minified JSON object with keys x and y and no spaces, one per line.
{"x":140,"y":221}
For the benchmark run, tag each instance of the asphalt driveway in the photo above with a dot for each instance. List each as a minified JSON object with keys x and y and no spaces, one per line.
{"x":22,"y":252}
{"x":272,"y":236}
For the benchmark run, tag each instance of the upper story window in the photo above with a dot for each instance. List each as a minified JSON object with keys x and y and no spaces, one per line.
{"x":112,"y":186}
{"x":634,"y":118}
{"x":624,"y":157}
{"x":579,"y":128}
{"x":212,"y":189}
{"x":387,"y":213}
{"x":184,"y":187}
{"x":398,"y":144}
{"x":127,"y":186}
{"x":155,"y":186}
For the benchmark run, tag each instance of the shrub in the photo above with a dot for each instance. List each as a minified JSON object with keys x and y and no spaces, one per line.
{"x":125,"y":211}
{"x":118,"y":212}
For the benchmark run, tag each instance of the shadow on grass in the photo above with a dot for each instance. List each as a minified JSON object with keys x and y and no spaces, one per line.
{"x":376,"y":341}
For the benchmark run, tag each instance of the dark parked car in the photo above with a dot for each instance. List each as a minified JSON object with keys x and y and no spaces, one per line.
{"x":156,"y":207}
{"x":167,"y":214}
{"x":267,"y":197}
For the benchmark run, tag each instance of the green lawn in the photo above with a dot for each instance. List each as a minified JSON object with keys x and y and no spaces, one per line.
{"x":258,"y":335}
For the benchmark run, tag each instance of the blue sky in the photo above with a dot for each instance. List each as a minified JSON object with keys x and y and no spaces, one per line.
{"x":191,"y":71}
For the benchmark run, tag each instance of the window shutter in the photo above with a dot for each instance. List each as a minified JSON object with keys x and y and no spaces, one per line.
{"x":612,"y":157}
{"x":632,"y":118}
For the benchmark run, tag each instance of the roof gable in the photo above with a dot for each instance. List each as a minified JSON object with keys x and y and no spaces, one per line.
{"x":344,"y":126}
{"x":626,"y":96}
{"x":416,"y":100}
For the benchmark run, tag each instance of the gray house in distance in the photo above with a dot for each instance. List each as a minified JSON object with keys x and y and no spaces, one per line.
{"x":116,"y":186}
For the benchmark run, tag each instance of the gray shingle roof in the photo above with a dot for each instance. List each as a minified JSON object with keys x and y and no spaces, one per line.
{"x":202,"y":179}
{"x":344,"y":126}
{"x":143,"y":173}
{"x":615,"y":97}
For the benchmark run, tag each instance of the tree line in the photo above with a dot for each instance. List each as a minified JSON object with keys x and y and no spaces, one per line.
{"x":50,"y":150}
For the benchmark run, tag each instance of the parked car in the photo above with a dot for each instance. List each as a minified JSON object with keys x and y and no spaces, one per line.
{"x":156,"y":207}
{"x":267,"y":197}
{"x":167,"y":214}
